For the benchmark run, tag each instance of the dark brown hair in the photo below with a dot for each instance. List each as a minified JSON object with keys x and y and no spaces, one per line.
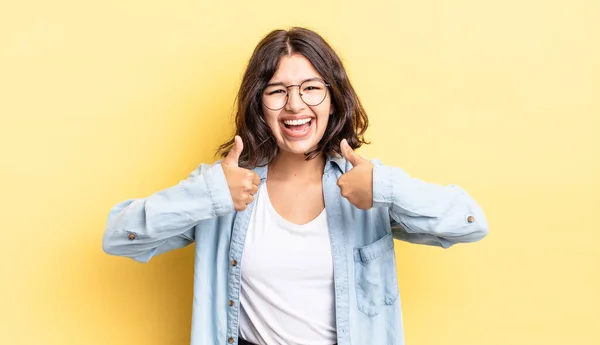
{"x":349,"y":120}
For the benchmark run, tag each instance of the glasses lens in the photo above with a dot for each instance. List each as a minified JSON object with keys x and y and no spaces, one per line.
{"x":313,"y":92}
{"x":275,"y":97}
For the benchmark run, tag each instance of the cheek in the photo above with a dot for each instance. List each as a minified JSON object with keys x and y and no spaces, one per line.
{"x":324,"y":122}
{"x":326,"y":108}
{"x":271,"y":118}
{"x":323,"y":114}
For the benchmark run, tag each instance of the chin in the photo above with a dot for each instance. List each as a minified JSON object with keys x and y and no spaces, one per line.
{"x":298,"y":148}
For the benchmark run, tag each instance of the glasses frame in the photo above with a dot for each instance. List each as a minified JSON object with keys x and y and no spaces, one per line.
{"x":287,"y":96}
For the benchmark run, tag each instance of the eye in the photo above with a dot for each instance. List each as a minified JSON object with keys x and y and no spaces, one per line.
{"x":275,"y":92}
{"x":313,"y":86}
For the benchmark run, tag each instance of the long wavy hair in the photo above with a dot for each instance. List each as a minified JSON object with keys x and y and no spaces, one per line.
{"x":349,"y":120}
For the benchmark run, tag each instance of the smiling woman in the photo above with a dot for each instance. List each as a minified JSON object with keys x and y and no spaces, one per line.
{"x":301,"y":126}
{"x":305,"y":255}
{"x":298,"y":70}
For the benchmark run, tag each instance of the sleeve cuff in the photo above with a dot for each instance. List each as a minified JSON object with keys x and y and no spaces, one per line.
{"x":383,"y":189}
{"x":218,"y":189}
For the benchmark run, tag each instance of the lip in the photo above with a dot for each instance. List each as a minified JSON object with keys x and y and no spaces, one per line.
{"x":295,"y":134}
{"x":302,"y":117}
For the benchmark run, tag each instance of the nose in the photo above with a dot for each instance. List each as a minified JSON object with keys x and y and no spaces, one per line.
{"x":294,"y":104}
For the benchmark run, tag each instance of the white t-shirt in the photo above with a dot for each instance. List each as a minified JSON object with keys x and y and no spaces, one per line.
{"x":287,"y":290}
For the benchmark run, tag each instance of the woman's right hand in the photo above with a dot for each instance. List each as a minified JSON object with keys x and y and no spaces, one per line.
{"x":243,"y":183}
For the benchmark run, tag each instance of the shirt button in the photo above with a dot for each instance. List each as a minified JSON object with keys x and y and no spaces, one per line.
{"x":230,"y":303}
{"x":233,"y":263}
{"x":470,"y":219}
{"x":131,"y":236}
{"x":230,"y":340}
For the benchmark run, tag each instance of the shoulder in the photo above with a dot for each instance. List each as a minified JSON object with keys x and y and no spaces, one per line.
{"x":345,"y":166}
{"x":203,"y":168}
{"x":376,"y":161}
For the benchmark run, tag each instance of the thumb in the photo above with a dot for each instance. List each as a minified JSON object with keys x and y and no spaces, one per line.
{"x":349,"y":153}
{"x":234,"y":154}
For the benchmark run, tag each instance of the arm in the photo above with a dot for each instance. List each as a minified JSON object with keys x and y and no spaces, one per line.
{"x":145,"y":227}
{"x":426,"y":213}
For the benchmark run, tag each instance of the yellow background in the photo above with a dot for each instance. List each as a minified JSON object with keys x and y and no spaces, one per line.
{"x":106,"y":100}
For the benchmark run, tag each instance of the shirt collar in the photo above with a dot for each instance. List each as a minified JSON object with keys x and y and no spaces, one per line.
{"x":337,"y":160}
{"x":333,"y":160}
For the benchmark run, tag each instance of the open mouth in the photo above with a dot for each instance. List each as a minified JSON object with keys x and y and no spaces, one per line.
{"x":297,"y":128}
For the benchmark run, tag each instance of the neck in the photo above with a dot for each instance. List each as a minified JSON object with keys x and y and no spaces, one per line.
{"x":289,"y":166}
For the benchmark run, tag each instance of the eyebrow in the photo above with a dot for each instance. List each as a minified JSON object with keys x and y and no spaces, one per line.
{"x":305,"y":80}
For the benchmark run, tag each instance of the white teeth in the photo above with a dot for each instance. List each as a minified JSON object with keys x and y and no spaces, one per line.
{"x":296,"y":122}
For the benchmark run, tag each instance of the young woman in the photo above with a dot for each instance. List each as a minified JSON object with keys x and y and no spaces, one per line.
{"x":294,"y":230}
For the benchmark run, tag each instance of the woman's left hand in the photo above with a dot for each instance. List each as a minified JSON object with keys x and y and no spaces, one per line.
{"x":356,"y":185}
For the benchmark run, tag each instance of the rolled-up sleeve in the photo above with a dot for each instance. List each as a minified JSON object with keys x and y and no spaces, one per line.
{"x":427,"y":213}
{"x":144,"y":227}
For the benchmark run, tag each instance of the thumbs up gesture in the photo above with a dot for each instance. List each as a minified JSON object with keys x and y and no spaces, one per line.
{"x":356,"y":185}
{"x":243,"y":183}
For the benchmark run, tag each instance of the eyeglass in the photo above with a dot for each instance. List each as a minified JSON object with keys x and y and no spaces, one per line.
{"x":312,"y":92}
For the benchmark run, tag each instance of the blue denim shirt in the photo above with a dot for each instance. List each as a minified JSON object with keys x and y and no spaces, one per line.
{"x":367,"y":303}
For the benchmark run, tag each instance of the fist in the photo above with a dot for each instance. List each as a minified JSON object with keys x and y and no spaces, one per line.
{"x":243,"y":183}
{"x":356,"y":185}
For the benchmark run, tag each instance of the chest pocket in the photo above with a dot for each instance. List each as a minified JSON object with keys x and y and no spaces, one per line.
{"x":375,"y":275}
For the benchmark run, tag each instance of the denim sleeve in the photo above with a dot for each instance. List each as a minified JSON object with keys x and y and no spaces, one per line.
{"x":145,"y":227}
{"x":427,"y":213}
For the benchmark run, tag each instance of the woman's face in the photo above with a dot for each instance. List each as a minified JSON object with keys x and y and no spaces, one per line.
{"x":297,"y":126}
